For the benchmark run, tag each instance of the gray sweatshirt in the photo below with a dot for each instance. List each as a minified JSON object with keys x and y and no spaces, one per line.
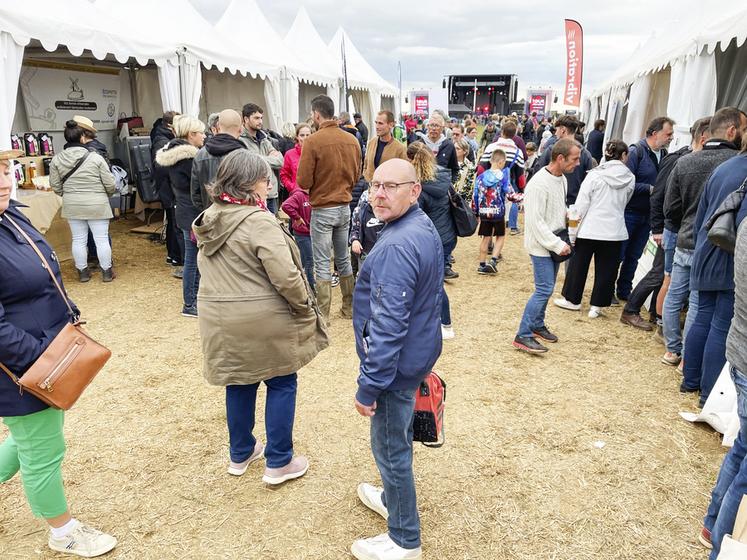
{"x":736,"y":342}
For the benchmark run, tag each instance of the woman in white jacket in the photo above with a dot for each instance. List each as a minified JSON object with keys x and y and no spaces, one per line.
{"x":601,"y":206}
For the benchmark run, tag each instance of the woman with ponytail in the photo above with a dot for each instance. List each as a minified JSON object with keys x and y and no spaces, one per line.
{"x":600,"y":207}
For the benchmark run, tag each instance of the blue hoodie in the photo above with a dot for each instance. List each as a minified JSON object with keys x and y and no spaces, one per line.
{"x":397,"y":307}
{"x":489,"y":196}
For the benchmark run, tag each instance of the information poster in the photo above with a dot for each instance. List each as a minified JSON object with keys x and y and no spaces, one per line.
{"x":421,"y":104}
{"x":53,"y":96}
{"x":537,"y":104}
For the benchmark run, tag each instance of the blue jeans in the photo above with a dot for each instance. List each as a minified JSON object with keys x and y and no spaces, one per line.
{"x":545,"y":273}
{"x":391,"y":444}
{"x":330,"y":228}
{"x":638,"y":229}
{"x":307,"y":257}
{"x":705,"y":345}
{"x":272,"y":205}
{"x":448,"y":249}
{"x":513,"y":216}
{"x":731,"y":484}
{"x":445,"y":310}
{"x":669,"y":244}
{"x":280,"y":411}
{"x":674,"y":301}
{"x":191,"y":277}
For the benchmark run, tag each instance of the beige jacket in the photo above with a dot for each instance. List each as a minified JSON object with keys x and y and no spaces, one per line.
{"x":258,"y":316}
{"x":85,"y":195}
{"x":393,"y":150}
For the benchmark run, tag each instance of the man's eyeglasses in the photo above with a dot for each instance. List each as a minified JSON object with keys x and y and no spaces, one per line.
{"x":389,"y":188}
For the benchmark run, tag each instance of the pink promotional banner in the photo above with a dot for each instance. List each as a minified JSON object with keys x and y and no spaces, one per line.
{"x":574,"y":56}
{"x":537,"y":104}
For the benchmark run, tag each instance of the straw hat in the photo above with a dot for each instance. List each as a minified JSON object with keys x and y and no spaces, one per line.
{"x":5,"y":155}
{"x":85,"y":122}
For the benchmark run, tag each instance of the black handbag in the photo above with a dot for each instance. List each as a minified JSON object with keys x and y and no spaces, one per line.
{"x":464,"y":220}
{"x":563,"y":234}
{"x":722,"y":226}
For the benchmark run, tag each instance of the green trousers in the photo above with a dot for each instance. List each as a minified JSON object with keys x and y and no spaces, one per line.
{"x":36,"y":447}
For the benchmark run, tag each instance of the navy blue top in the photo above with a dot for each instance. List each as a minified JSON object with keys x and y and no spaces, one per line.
{"x":397,"y":307}
{"x":712,"y":268}
{"x":644,"y":165}
{"x":32,"y":312}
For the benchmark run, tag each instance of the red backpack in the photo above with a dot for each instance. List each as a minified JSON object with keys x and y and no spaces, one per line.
{"x":430,"y":401}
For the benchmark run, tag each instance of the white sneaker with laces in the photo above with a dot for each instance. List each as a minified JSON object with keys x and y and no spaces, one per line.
{"x":370,"y":495}
{"x":565,"y":304}
{"x":83,"y":541}
{"x":237,"y":469}
{"x":447,"y":332}
{"x":595,"y":312}
{"x":383,"y":548}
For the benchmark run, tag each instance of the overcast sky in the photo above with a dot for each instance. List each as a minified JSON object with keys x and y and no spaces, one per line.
{"x":437,"y":37}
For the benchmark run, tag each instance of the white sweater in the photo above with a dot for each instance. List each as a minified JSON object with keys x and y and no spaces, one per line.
{"x":601,"y":202}
{"x":544,"y":213}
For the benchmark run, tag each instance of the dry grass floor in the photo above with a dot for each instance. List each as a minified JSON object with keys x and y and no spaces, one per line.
{"x":519,"y":477}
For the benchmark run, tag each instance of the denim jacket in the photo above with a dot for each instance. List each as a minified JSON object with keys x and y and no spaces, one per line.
{"x":397,"y":307}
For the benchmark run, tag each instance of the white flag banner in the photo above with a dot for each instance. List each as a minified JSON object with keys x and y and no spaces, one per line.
{"x":53,"y":96}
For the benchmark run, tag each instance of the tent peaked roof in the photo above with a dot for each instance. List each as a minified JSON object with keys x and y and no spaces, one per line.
{"x":360,"y":73}
{"x":264,"y":43}
{"x":305,"y":42}
{"x":187,"y":29}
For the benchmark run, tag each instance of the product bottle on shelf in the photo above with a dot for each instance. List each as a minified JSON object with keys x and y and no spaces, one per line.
{"x":31,"y":173}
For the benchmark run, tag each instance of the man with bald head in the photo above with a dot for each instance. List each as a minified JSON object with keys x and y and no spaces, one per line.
{"x":208,"y":158}
{"x":397,"y":324}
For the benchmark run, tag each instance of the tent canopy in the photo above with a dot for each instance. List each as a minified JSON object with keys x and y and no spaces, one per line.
{"x":361,"y":75}
{"x":307,"y":45}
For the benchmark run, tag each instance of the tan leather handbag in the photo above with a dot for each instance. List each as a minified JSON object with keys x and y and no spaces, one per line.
{"x":63,"y":371}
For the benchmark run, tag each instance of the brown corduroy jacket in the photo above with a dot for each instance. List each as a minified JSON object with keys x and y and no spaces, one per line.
{"x":393,"y":150}
{"x":330,"y":165}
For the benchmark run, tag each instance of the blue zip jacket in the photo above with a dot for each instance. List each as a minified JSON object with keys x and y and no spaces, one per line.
{"x":397,"y":307}
{"x":642,"y":162}
{"x":31,"y":309}
{"x":712,"y":268}
{"x":489,"y":196}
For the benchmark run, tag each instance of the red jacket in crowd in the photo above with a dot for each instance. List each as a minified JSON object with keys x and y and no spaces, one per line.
{"x":290,"y":168}
{"x":298,"y":206}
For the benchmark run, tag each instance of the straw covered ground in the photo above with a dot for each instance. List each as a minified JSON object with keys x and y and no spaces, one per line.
{"x":519,"y":477}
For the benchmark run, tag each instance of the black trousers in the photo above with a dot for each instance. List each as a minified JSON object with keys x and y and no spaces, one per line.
{"x":174,"y":237}
{"x":649,"y":284}
{"x":606,"y":255}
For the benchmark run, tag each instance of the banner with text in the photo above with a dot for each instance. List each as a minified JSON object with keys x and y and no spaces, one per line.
{"x":53,"y":96}
{"x":537,"y":104}
{"x":574,"y":41}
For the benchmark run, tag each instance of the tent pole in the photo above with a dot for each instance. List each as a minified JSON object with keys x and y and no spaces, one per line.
{"x":182,"y":62}
{"x":133,"y":89}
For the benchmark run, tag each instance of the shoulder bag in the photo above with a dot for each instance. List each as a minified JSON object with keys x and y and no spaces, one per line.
{"x":464,"y":220}
{"x":63,"y":371}
{"x":722,"y":226}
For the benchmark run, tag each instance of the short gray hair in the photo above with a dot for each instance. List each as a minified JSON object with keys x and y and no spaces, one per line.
{"x":238,"y":175}
{"x":212,"y":120}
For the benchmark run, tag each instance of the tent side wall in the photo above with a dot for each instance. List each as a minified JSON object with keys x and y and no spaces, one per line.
{"x":221,"y":90}
{"x":731,"y":78}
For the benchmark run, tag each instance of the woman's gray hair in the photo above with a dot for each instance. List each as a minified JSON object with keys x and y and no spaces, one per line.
{"x":212,"y":120}
{"x":288,"y":130}
{"x":238,"y":175}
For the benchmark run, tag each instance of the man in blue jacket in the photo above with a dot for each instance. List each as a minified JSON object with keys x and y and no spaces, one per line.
{"x":644,"y":160}
{"x":397,"y":323}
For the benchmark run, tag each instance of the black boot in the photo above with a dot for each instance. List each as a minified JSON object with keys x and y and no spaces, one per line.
{"x":84,"y":275}
{"x":108,"y":274}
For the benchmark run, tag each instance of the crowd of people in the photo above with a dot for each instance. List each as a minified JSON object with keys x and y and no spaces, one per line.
{"x":374,"y":217}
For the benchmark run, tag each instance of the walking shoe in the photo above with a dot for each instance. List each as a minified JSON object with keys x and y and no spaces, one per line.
{"x":295,"y":469}
{"x":615,"y":302}
{"x":565,"y":304}
{"x":545,"y":334}
{"x":83,"y":541}
{"x":498,"y":259}
{"x":685,"y":389}
{"x":371,"y":497}
{"x":671,"y":359}
{"x":514,"y":232}
{"x":452,"y":260}
{"x":705,"y":538}
{"x":487,"y":268}
{"x":108,"y":274}
{"x":447,"y":332}
{"x":635,"y":320}
{"x":178,"y":272}
{"x":449,"y":274}
{"x":659,"y":334}
{"x":529,"y":344}
{"x":383,"y":548}
{"x":84,"y":275}
{"x":237,"y":469}
{"x":335,"y":280}
{"x":189,"y":312}
{"x":595,"y":312}
{"x":681,"y":367}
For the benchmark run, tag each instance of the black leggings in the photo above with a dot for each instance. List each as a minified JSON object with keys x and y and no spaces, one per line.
{"x":606,"y":256}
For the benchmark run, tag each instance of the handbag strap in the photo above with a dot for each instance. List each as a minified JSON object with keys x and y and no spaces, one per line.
{"x":75,"y":168}
{"x":45,"y":264}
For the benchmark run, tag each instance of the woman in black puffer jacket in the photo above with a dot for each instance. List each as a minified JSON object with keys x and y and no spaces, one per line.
{"x":434,"y":201}
{"x":177,"y":157}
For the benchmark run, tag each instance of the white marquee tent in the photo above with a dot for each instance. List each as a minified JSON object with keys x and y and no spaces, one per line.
{"x":685,"y":73}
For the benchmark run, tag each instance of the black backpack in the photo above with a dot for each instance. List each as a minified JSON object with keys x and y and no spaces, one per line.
{"x":142,"y":172}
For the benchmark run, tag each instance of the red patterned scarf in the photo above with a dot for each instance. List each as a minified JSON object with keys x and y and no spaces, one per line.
{"x":227,"y":198}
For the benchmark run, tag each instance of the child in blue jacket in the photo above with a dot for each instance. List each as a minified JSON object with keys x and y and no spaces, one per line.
{"x":489,"y":204}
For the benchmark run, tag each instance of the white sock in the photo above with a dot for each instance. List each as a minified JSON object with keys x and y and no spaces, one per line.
{"x":65,"y":530}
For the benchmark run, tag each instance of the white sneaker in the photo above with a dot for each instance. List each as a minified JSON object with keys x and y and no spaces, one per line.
{"x":447,"y":332}
{"x":295,"y":469}
{"x":595,"y":312}
{"x":83,"y":541}
{"x":371,"y":497}
{"x":237,"y":469}
{"x":383,"y":548}
{"x":565,"y":304}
